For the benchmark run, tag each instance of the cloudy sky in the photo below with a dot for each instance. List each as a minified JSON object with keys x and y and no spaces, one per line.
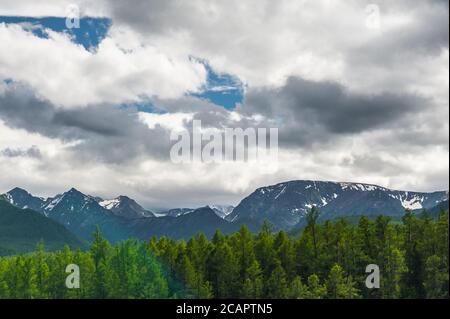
{"x":358,"y":89}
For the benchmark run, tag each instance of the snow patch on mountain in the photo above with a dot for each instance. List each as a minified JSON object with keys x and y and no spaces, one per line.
{"x":53,"y":203}
{"x":110,"y":203}
{"x":281,"y":193}
{"x":361,"y":187}
{"x":222,"y":210}
{"x":10,"y":199}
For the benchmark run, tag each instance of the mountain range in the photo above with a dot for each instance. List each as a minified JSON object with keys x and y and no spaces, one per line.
{"x":283,"y":205}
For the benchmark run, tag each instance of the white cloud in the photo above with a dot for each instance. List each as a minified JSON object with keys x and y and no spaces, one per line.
{"x":159,"y":184}
{"x":170,"y":121}
{"x":262,"y":42}
{"x":69,"y":76}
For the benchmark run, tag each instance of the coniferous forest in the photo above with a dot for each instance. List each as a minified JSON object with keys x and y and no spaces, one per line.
{"x":323,"y":260}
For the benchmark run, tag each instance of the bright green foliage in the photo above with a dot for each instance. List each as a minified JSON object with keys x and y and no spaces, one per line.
{"x":315,"y":289}
{"x":327,"y":260}
{"x":127,"y":270}
{"x":340,"y":286}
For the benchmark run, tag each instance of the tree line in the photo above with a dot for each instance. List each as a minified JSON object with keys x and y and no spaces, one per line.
{"x":126,"y":270}
{"x":327,"y":260}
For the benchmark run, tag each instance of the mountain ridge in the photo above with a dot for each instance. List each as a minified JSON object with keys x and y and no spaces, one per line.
{"x":284,"y":205}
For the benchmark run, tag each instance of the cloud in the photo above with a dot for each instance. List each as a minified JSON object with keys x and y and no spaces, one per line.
{"x":318,"y":110}
{"x":265,"y":42}
{"x":32,"y":152}
{"x":51,"y":8}
{"x":100,"y":132}
{"x":119,"y":71}
{"x":352,"y":103}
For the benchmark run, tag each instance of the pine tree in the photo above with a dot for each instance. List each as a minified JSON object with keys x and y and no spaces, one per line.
{"x":436,"y":278}
{"x":276,"y":285}
{"x":315,"y":289}
{"x":224,"y":271}
{"x":265,"y":251}
{"x":340,"y":286}
{"x":297,"y":289}
{"x":311,"y":217}
{"x":42,"y":271}
{"x":286,"y":253}
{"x":100,"y":250}
{"x":252,"y":287}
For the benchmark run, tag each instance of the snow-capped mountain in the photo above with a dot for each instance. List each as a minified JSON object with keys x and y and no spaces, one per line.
{"x":125,"y":207}
{"x":78,"y":212}
{"x":21,"y":198}
{"x":222,"y":210}
{"x":286,"y":204}
{"x":71,"y":201}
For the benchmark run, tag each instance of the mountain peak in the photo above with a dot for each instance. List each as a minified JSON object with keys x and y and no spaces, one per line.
{"x":23,"y":199}
{"x":125,"y":207}
{"x":73,"y":191}
{"x":285,"y":204}
{"x":19,"y":190}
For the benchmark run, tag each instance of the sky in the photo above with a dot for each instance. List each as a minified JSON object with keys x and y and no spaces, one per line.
{"x":358,"y":90}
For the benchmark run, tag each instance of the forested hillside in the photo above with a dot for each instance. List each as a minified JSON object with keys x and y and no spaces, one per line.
{"x":22,"y":229}
{"x":325,"y":261}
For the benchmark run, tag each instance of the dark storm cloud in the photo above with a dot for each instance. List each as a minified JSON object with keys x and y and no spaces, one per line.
{"x":305,"y":112}
{"x":106,"y":133}
{"x":32,"y":152}
{"x":309,"y":111}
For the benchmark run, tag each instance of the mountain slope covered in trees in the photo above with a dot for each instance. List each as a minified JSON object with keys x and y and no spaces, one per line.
{"x":22,"y":229}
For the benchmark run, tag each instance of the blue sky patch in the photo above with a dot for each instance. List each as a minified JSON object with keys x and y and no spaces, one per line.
{"x":144,"y":106}
{"x":90,"y":33}
{"x":222,"y":89}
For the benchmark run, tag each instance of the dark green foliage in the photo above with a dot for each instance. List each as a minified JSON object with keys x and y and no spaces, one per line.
{"x":22,"y":229}
{"x":325,"y":261}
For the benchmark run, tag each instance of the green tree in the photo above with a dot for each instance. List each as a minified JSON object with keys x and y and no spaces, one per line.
{"x":276,"y":286}
{"x":252,"y":287}
{"x":436,"y":278}
{"x":315,"y":289}
{"x":298,"y":290}
{"x":340,"y":286}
